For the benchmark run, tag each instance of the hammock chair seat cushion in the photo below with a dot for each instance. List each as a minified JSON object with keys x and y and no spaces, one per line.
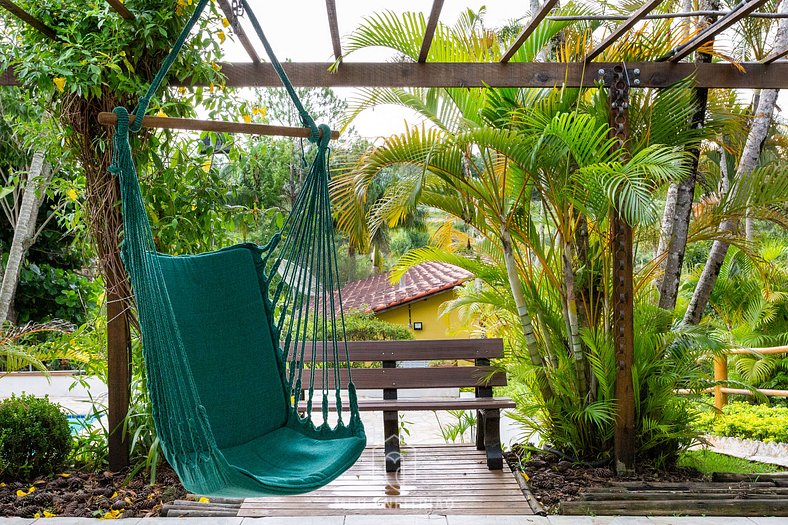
{"x":225,"y":326}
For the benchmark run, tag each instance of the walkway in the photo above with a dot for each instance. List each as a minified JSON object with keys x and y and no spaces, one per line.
{"x":410,"y":520}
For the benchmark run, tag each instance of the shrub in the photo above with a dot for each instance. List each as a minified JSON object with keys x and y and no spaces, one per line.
{"x":35,"y":438}
{"x":742,"y":420}
{"x":367,"y":327}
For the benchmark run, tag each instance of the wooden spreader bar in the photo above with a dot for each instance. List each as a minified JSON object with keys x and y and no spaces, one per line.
{"x":190,"y":124}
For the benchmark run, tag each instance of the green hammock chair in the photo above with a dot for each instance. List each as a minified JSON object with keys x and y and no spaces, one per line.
{"x":226,"y":336}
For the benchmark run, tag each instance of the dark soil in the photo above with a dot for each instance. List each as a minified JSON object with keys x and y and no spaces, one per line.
{"x":553,"y":479}
{"x":90,"y":495}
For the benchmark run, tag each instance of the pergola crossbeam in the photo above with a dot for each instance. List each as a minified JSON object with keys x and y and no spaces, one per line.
{"x":333,"y":26}
{"x":619,"y":31}
{"x":528,"y":29}
{"x":774,"y":56}
{"x":29,"y":19}
{"x":738,"y":13}
{"x":656,"y":16}
{"x":429,"y":33}
{"x":470,"y":75}
{"x":121,"y":9}
{"x":239,"y":30}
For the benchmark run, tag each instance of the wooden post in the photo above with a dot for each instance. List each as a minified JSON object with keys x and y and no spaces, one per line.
{"x":391,"y":428}
{"x":720,"y":374}
{"x":118,"y":379}
{"x":623,"y":311}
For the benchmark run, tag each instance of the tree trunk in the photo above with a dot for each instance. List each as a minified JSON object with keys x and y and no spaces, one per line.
{"x":748,"y":161}
{"x":678,"y":205}
{"x":522,"y":309}
{"x":572,"y":320}
{"x":38,"y":177}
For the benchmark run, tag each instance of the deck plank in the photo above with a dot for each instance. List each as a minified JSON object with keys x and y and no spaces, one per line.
{"x":434,"y":480}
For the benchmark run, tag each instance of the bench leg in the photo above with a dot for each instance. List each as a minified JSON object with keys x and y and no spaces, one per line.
{"x":391,"y":433}
{"x":479,"y":430}
{"x":492,"y":438}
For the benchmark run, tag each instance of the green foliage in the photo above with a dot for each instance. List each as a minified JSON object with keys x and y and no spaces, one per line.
{"x":367,"y":327}
{"x":666,"y":359}
{"x":743,"y":420}
{"x":708,"y":462}
{"x":463,"y":422}
{"x":35,"y":438}
{"x":188,"y":202}
{"x":47,"y":292}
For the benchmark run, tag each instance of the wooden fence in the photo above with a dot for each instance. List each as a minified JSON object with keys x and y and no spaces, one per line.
{"x":721,"y":374}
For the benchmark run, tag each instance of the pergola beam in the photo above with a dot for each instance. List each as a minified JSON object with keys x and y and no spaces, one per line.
{"x":625,"y":26}
{"x":774,"y":56}
{"x":239,"y":30}
{"x":333,"y":26}
{"x":739,"y":12}
{"x":515,"y":74}
{"x":429,"y":33}
{"x":121,"y":9}
{"x":656,"y":16}
{"x":32,"y":21}
{"x":528,"y":29}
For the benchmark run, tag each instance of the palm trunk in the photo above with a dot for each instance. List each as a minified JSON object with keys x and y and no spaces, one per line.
{"x":519,"y":298}
{"x":572,"y":320}
{"x":748,"y":161}
{"x":522,"y":311}
{"x":38,"y":178}
{"x":678,"y":205}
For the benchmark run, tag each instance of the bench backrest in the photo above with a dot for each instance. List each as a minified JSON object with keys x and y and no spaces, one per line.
{"x":480,"y":351}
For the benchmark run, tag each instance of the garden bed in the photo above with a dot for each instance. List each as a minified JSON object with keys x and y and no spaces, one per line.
{"x":555,"y":482}
{"x":90,"y":495}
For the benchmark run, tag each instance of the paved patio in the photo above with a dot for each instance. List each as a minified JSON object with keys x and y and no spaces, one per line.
{"x":414,"y":520}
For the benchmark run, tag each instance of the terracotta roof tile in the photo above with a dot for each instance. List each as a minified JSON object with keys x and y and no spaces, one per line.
{"x":376,"y":293}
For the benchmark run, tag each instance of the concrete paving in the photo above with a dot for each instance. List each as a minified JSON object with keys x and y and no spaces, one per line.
{"x":415,"y":520}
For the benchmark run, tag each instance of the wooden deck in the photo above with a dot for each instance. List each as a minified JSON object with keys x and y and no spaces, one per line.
{"x":440,"y":479}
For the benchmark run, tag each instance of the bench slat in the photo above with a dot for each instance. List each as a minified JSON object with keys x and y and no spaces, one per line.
{"x":464,"y":403}
{"x":435,"y":377}
{"x":422,"y":349}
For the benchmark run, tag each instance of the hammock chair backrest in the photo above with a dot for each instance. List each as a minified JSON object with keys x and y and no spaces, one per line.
{"x":217,"y":299}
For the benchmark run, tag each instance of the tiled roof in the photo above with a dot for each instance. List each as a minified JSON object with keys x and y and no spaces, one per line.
{"x":376,"y":293}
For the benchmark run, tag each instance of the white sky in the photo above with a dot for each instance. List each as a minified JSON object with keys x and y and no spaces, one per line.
{"x":298,"y":31}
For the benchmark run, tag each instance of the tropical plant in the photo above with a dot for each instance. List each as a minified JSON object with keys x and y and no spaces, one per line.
{"x":534,"y":179}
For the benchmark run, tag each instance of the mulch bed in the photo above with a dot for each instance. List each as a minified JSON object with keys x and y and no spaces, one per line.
{"x":553,"y":479}
{"x":80,"y":494}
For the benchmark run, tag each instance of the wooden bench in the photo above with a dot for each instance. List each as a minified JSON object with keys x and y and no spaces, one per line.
{"x":481,"y":376}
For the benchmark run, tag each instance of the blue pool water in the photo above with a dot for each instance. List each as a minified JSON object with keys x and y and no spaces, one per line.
{"x":78,"y":421}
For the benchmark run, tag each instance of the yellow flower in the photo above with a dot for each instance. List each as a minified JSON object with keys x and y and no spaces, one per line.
{"x":225,"y":22}
{"x":259,"y":111}
{"x":210,"y":87}
{"x":525,"y":476}
{"x":2,"y":485}
{"x":72,"y":194}
{"x":46,"y":514}
{"x":65,"y":475}
{"x":203,"y":500}
{"x":161,"y":113}
{"x":21,"y":493}
{"x":216,"y":67}
{"x":182,"y":90}
{"x":247,"y":118}
{"x":221,"y":36}
{"x":60,"y":83}
{"x":123,"y":53}
{"x":112,"y":515}
{"x":206,"y":167}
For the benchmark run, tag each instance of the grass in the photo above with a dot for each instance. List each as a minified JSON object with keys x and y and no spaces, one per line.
{"x":707,"y":462}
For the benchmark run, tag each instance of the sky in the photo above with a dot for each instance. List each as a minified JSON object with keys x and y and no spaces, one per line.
{"x":299,"y":32}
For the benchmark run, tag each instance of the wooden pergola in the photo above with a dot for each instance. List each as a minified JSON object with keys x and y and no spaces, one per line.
{"x":619,"y":78}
